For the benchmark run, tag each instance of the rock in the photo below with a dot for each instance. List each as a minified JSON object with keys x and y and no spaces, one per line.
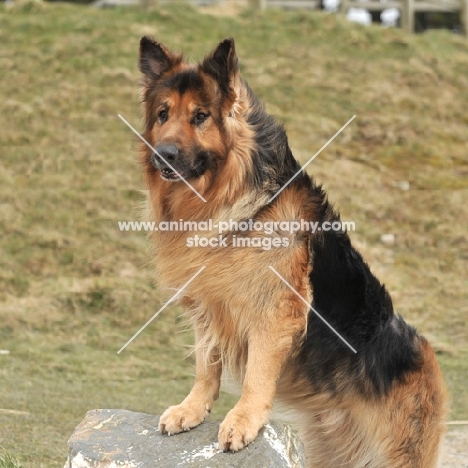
{"x":402,"y":184}
{"x":455,"y":447}
{"x":387,"y":239}
{"x":125,"y":439}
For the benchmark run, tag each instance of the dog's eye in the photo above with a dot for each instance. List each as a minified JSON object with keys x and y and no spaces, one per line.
{"x":163,"y":115}
{"x":200,"y":117}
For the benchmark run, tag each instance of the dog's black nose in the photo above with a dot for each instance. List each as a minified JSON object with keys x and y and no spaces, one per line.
{"x":167,"y":152}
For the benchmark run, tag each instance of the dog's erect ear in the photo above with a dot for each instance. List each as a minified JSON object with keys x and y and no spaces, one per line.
{"x":155,"y":59}
{"x":222,"y":64}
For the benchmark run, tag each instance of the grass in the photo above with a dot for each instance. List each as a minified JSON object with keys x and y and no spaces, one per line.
{"x":73,"y":289}
{"x":7,"y":460}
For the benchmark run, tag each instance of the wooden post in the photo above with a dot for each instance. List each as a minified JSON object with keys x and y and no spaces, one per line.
{"x":407,"y":15}
{"x":344,"y":7}
{"x":464,"y":16}
{"x":149,"y":4}
{"x":261,"y":4}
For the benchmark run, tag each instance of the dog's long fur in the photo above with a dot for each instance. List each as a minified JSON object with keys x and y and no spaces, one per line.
{"x":383,"y":407}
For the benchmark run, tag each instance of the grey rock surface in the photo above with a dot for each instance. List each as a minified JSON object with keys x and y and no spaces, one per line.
{"x":455,"y":448}
{"x":108,"y":438}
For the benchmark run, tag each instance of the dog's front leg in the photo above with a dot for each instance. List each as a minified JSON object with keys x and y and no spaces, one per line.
{"x":267,"y":352}
{"x":196,"y":406}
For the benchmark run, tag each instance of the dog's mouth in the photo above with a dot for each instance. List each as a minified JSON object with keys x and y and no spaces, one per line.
{"x":168,"y":174}
{"x":175,"y":174}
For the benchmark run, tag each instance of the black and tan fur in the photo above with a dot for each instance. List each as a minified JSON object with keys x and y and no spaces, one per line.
{"x":383,"y":407}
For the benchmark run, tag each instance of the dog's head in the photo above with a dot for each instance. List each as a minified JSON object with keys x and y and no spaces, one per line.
{"x":186,"y":107}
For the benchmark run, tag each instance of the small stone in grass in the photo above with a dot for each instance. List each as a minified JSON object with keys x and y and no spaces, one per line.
{"x":387,"y":239}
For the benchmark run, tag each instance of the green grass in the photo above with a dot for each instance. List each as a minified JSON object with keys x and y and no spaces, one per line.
{"x":7,"y":460}
{"x":73,"y":289}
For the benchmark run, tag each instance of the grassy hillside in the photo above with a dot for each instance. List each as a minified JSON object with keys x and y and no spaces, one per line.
{"x":73,"y":289}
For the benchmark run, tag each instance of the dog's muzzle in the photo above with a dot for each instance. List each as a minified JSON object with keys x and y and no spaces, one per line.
{"x":165,"y":156}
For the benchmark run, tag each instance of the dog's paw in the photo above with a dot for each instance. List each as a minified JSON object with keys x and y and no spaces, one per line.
{"x":181,"y":418}
{"x":238,"y":430}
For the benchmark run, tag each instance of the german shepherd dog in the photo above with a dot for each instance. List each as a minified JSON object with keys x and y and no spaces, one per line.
{"x":253,"y":308}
